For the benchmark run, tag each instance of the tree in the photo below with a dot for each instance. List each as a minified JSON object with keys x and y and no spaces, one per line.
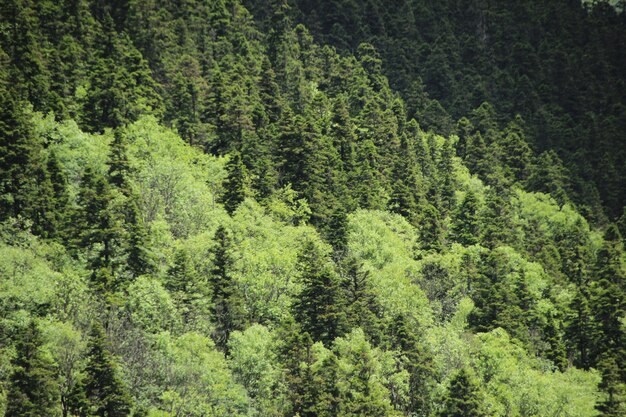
{"x":106,"y":394}
{"x":463,"y":397}
{"x":236,"y":186}
{"x":466,"y":226}
{"x":581,"y":329}
{"x":139,"y":260}
{"x":362,"y":307}
{"x":227,"y":304}
{"x":417,"y":360}
{"x":319,"y":307}
{"x":119,"y":166}
{"x":32,"y":390}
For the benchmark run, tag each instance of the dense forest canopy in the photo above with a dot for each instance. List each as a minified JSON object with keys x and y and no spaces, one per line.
{"x":312,"y":208}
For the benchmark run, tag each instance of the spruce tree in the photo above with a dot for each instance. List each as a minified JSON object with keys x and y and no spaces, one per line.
{"x":236,"y":186}
{"x":463,"y":399}
{"x":119,"y":166}
{"x":227,"y":303}
{"x":139,"y":259}
{"x":106,"y":394}
{"x":319,"y":308}
{"x":362,"y":307}
{"x":466,"y":225}
{"x":417,"y":360}
{"x":32,"y":387}
{"x":580,"y":330}
{"x":58,"y":218}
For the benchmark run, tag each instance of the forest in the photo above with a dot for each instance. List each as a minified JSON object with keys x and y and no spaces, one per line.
{"x":297,"y":208}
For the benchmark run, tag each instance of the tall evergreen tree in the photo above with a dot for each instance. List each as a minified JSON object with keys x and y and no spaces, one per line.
{"x":362,"y":307}
{"x":32,"y":388}
{"x":419,"y":363}
{"x":106,"y":394}
{"x":319,"y":308}
{"x":236,"y":185}
{"x":466,"y":226}
{"x":463,"y":399}
{"x":227,"y":303}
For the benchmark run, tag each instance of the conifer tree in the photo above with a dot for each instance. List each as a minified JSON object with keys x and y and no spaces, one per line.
{"x":362,"y":307}
{"x":32,"y":388}
{"x":418,"y":361}
{"x":227,"y":303}
{"x":580,"y":330}
{"x":614,"y":402}
{"x":58,"y":218}
{"x":25,"y":187}
{"x":337,"y":231}
{"x":105,"y":392}
{"x":139,"y":260}
{"x":319,"y":308}
{"x":466,"y":226}
{"x":236,"y":186}
{"x":463,"y":399}
{"x":119,"y":167}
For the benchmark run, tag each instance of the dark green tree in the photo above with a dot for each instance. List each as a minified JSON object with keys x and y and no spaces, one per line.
{"x":139,"y":259}
{"x":580,"y":330}
{"x":32,"y":387}
{"x":227,"y":303}
{"x":319,"y":308}
{"x":236,"y":184}
{"x":362,"y":307}
{"x":466,"y":224}
{"x":614,"y":402}
{"x":463,"y":398}
{"x":419,"y":363}
{"x":106,"y":394}
{"x":119,"y":166}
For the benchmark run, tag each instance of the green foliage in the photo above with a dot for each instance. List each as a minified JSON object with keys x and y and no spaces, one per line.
{"x":320,"y":304}
{"x":269,"y":226}
{"x":463,"y":398}
{"x":227,"y":304}
{"x":33,"y":389}
{"x":105,"y":393}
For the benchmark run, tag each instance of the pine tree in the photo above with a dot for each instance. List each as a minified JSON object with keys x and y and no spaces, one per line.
{"x":236,"y":186}
{"x":614,"y":402}
{"x":466,"y":226}
{"x":227,"y":303}
{"x":337,"y":232}
{"x":58,"y":218}
{"x":105,"y":392}
{"x":139,"y":259}
{"x":319,"y":308}
{"x":25,"y":187}
{"x":119,"y":166}
{"x":362,"y":307}
{"x":418,"y":361}
{"x":32,"y":388}
{"x":463,"y":398}
{"x":580,"y":330}
{"x":431,"y":230}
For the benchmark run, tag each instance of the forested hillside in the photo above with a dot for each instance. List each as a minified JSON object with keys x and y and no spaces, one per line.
{"x":297,"y":208}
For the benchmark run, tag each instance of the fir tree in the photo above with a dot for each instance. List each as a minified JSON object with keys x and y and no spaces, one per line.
{"x":32,"y":388}
{"x":227,"y":303}
{"x":105,"y":392}
{"x":139,"y":259}
{"x":418,"y":361}
{"x":463,"y":398}
{"x":236,"y":186}
{"x":119,"y":166}
{"x":319,"y":308}
{"x":466,"y":225}
{"x":362,"y":307}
